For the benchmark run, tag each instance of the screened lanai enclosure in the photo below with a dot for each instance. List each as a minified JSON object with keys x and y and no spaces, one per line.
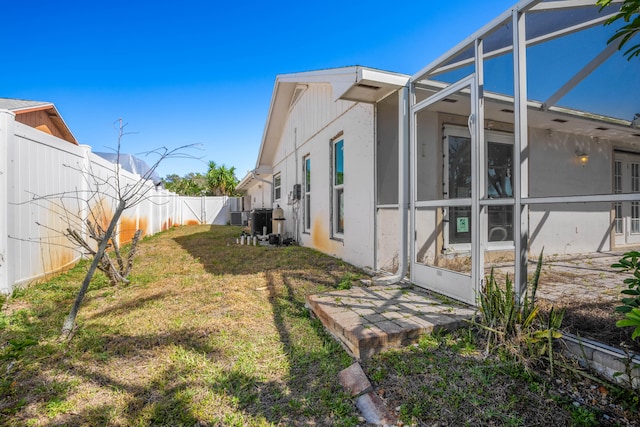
{"x":524,"y":136}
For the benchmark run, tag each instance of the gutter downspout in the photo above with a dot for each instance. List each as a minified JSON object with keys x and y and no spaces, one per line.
{"x":403,"y":190}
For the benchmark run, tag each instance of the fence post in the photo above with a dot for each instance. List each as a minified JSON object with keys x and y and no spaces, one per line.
{"x":85,"y":172}
{"x":7,"y":136}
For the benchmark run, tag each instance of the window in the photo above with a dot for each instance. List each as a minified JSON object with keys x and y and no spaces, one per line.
{"x":617,"y":189}
{"x":457,"y":175}
{"x":307,"y":193}
{"x":338,"y":187}
{"x":626,"y":215}
{"x":499,"y":177}
{"x":635,"y":206}
{"x":277,"y":186}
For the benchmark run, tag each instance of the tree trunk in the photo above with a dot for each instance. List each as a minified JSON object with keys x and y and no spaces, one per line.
{"x":70,"y":321}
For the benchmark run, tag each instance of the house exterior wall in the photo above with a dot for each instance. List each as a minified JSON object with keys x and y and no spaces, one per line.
{"x":313,"y":124}
{"x":259,"y":196}
{"x":427,"y":161}
{"x":555,"y":171}
{"x":387,"y":217}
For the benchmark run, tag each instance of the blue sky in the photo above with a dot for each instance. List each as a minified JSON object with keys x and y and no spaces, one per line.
{"x":202,"y":72}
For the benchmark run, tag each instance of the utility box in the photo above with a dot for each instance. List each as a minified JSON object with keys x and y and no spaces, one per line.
{"x":297,"y":191}
{"x":239,"y":218}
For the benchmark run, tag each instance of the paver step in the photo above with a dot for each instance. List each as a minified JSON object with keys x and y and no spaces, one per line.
{"x":372,"y":319}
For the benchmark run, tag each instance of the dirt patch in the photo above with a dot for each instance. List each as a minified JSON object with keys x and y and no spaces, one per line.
{"x":596,"y":320}
{"x":589,"y":289}
{"x":447,"y":381}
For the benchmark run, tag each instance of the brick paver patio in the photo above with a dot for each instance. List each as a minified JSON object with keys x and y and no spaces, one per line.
{"x":368,"y":320}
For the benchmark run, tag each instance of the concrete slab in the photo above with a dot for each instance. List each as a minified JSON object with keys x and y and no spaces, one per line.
{"x":377,"y":318}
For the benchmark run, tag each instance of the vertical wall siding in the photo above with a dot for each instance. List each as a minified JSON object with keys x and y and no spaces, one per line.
{"x":39,"y":118}
{"x":52,"y":185}
{"x":311,"y":125}
{"x":314,"y":111}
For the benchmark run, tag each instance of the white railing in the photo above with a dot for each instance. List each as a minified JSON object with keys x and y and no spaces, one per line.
{"x":48,"y":184}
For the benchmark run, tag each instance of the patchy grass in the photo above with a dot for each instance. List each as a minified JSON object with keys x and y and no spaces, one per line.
{"x":207,"y":332}
{"x":210,"y":333}
{"x":445,"y":380}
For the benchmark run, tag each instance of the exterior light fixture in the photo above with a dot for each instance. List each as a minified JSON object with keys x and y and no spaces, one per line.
{"x":583,"y":158}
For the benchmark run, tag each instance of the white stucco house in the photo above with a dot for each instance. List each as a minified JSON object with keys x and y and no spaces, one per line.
{"x":500,"y":147}
{"x":317,"y":160}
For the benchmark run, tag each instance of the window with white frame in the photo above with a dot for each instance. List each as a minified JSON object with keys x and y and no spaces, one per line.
{"x":307,"y":193}
{"x":457,"y":179}
{"x":277,"y":186}
{"x":338,"y":187}
{"x":617,"y":189}
{"x":626,"y":179}
{"x":635,"y":206}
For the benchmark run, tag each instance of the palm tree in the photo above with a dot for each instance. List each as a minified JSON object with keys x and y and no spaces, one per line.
{"x":221,"y":180}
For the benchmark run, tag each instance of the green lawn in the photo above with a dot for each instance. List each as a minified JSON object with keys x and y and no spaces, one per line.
{"x":210,"y":333}
{"x":207,"y":332}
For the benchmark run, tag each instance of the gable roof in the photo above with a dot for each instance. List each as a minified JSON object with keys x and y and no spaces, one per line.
{"x":22,"y":106}
{"x":354,"y":83}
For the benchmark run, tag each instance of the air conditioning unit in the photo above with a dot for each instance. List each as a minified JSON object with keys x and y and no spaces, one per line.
{"x":239,"y":218}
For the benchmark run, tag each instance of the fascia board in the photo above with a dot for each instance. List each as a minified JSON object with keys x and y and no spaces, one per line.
{"x":393,"y":79}
{"x":31,"y":109}
{"x":341,"y":80}
{"x":266,"y":125}
{"x":64,"y":124}
{"x":332,"y":76}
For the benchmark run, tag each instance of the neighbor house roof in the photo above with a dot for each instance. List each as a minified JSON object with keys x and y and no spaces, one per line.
{"x":39,"y":115}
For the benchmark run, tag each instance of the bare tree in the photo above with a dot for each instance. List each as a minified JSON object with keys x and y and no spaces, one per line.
{"x":126,"y":196}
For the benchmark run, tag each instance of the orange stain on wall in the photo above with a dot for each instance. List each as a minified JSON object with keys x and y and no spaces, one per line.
{"x":56,"y":255}
{"x":320,"y":236}
{"x":167,"y":224}
{"x":143,"y":223}
{"x":62,"y":260}
{"x":128,"y":227}
{"x":101,"y":214}
{"x":193,"y":222}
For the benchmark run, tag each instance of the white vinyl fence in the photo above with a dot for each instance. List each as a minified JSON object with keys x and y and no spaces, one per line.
{"x":48,"y":185}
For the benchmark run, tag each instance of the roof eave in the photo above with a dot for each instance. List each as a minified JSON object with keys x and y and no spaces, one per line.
{"x":353,"y":83}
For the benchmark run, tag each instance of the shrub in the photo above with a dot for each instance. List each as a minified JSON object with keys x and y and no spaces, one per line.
{"x":630,"y":263}
{"x":513,"y":323}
